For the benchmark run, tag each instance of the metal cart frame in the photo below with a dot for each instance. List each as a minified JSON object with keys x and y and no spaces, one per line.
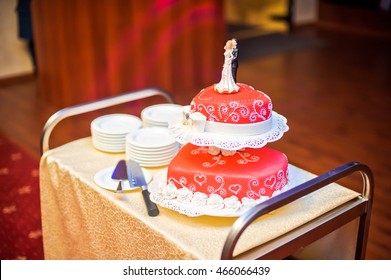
{"x":286,"y":245}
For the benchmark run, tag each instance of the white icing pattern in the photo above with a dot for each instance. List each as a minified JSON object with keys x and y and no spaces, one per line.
{"x":194,"y":204}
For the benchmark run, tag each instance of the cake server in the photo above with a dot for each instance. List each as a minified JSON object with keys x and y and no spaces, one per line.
{"x":120,"y":174}
{"x":136,"y":179}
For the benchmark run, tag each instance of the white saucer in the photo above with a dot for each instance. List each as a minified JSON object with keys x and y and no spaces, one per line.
{"x":161,"y":114}
{"x":108,"y":147}
{"x":142,"y":160}
{"x":109,"y":131}
{"x":150,"y":163}
{"x":116,"y":124}
{"x":153,"y":152}
{"x":150,"y":138}
{"x":152,"y":157}
{"x":103,"y":179}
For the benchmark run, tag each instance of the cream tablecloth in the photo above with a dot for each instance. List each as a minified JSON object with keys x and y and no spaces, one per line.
{"x":81,"y":220}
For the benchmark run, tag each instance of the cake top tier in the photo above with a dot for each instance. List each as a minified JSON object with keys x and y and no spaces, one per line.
{"x":229,"y":115}
{"x":247,"y":106}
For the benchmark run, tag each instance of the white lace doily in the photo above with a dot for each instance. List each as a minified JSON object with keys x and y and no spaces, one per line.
{"x":183,"y":134}
{"x":158,"y":184}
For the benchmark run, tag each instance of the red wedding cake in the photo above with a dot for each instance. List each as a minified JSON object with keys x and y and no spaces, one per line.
{"x":224,"y":163}
{"x":247,"y":106}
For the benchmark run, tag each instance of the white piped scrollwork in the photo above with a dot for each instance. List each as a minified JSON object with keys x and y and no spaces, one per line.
{"x":166,"y":195}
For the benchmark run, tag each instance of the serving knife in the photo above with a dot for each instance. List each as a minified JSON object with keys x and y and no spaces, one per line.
{"x":136,"y":179}
{"x":120,"y":174}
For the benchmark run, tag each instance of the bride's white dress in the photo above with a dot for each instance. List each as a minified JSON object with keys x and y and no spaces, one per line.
{"x":227,"y":83}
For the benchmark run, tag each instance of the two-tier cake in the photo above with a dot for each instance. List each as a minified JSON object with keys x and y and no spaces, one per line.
{"x":224,"y":164}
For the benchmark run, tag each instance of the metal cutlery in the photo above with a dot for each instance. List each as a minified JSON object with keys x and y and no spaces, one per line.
{"x":136,"y":179}
{"x":120,"y":174}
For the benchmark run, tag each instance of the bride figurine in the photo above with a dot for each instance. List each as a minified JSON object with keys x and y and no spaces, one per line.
{"x":227,"y":83}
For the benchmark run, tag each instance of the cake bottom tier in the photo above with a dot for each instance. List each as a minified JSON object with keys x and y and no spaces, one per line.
{"x":251,"y":173}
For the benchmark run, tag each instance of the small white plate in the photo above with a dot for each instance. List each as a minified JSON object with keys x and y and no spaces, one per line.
{"x":109,"y":150}
{"x":108,"y":147}
{"x":150,"y":160}
{"x":152,"y":153}
{"x":116,"y":124}
{"x":143,"y":150}
{"x":155,"y":164}
{"x":150,"y":138}
{"x":103,"y":179}
{"x":161,"y":114}
{"x":109,"y":139}
{"x":109,"y":144}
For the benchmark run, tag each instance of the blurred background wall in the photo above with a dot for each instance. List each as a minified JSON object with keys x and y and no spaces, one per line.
{"x":87,"y":51}
{"x":14,"y":55}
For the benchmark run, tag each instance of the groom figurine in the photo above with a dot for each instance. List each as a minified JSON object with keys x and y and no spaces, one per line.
{"x":234,"y":64}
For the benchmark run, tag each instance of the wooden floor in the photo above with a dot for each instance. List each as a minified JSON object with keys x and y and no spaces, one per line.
{"x":336,"y":96}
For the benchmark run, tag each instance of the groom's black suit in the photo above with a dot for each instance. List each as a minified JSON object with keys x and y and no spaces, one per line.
{"x":234,"y":63}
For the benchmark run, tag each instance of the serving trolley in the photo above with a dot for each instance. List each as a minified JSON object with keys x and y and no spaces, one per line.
{"x":340,"y":233}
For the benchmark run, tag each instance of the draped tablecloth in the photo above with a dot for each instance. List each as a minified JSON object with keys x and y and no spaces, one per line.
{"x":81,"y":220}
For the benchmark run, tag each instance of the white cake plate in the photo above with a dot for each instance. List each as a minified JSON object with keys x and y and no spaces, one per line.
{"x":184,"y":134}
{"x":295,"y":178}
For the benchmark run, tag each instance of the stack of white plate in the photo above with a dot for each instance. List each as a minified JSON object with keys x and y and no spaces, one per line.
{"x":151,"y":146}
{"x":109,"y":131}
{"x":161,"y":114}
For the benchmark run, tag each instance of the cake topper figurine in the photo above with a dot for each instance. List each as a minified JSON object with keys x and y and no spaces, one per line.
{"x":227,"y":83}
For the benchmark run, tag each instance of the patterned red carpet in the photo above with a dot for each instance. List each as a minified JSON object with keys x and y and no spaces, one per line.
{"x":20,"y":216}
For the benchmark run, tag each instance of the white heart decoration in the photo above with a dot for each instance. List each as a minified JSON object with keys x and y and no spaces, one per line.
{"x":235,"y":188}
{"x":270,"y":182}
{"x":200,"y":179}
